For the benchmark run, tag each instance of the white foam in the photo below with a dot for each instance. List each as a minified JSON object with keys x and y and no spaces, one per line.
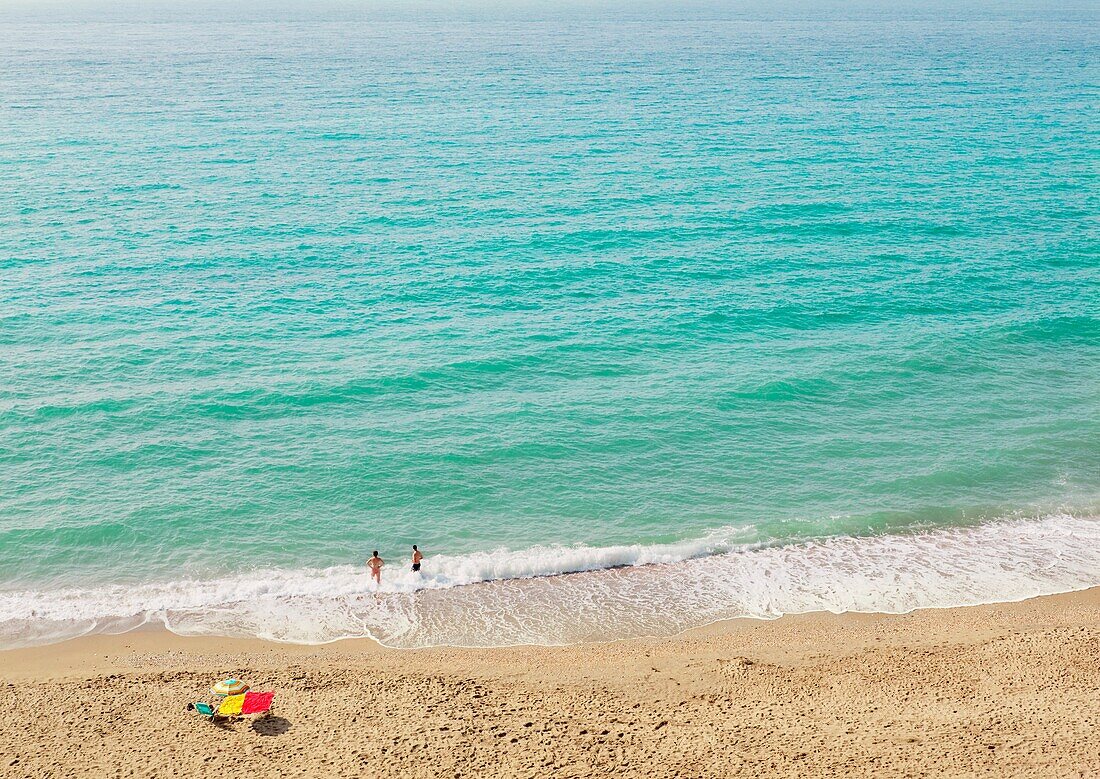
{"x":502,"y":597}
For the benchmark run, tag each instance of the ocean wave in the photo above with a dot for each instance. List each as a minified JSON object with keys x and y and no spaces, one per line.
{"x":524,"y":597}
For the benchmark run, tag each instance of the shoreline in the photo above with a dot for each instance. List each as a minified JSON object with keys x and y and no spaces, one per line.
{"x":159,"y":634}
{"x":1007,"y":688}
{"x":504,"y":598}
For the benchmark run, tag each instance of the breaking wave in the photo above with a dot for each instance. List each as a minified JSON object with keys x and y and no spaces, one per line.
{"x":524,"y":597}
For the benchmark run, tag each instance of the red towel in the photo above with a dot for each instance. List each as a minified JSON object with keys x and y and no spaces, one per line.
{"x":256,"y":702}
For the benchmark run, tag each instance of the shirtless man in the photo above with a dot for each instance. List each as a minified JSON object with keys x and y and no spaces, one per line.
{"x":375,"y":564}
{"x":417,"y":557}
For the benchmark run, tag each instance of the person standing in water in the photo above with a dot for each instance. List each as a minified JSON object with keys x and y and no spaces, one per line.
{"x":417,"y":557}
{"x":375,"y":564}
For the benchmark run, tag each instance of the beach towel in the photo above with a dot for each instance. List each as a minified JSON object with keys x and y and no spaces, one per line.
{"x":256,"y":702}
{"x":243,"y":705}
{"x":231,"y":706}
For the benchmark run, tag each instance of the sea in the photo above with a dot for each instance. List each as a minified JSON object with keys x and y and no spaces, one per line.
{"x":632,"y":316}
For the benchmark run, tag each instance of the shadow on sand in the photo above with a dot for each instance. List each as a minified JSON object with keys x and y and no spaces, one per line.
{"x":271,"y":726}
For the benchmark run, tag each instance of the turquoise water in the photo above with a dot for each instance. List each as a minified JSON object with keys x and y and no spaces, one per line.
{"x":682,"y":287}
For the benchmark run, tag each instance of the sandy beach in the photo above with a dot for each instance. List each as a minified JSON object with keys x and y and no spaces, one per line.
{"x":549,"y":389}
{"x":997,"y":690}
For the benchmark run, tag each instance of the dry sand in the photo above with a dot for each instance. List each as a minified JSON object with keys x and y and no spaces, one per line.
{"x":1002,"y":690}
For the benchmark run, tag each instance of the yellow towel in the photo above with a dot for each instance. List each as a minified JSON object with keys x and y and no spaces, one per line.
{"x":231,"y":706}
